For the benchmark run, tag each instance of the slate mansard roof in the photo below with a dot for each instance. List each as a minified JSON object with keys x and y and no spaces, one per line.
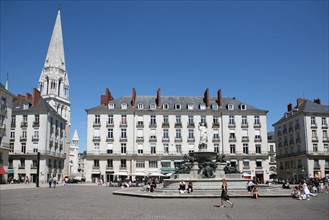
{"x":173,"y":101}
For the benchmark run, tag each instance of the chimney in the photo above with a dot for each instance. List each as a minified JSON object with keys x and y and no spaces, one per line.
{"x":106,"y":98}
{"x":219,"y":98}
{"x":133,"y":99}
{"x":36,"y":96}
{"x":206,"y":98}
{"x":28,"y":96}
{"x":289,"y":107}
{"x":300,"y":101}
{"x":317,"y":101}
{"x":158,"y":99}
{"x":18,"y":98}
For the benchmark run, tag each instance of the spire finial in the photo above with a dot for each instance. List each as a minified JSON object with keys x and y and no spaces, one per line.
{"x":59,"y":6}
{"x":7,"y":82}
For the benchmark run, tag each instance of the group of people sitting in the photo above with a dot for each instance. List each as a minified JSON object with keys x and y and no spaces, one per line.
{"x":182,"y":187}
{"x":302,"y":192}
{"x":150,"y":186}
{"x":253,"y":189}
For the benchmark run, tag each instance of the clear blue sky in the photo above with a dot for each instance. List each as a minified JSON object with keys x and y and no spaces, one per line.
{"x":264,"y":53}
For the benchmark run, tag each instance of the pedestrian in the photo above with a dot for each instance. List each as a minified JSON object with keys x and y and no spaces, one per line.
{"x":224,"y":196}
{"x":190,"y":187}
{"x":50,"y":181}
{"x":54,"y":181}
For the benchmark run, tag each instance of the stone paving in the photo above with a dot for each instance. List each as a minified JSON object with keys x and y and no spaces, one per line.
{"x":83,"y":201}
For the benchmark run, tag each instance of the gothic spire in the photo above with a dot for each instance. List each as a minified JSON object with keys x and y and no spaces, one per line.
{"x":55,"y":56}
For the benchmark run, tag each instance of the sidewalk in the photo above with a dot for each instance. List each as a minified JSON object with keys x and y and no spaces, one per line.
{"x":41,"y":185}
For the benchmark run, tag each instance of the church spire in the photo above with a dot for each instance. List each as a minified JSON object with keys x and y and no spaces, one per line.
{"x":55,"y":56}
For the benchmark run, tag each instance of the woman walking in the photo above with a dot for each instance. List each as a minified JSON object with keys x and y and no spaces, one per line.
{"x":224,"y":196}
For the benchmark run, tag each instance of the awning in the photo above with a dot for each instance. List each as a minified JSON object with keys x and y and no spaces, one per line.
{"x":178,"y":160}
{"x":11,"y":171}
{"x":138,"y":174}
{"x":166,"y":161}
{"x":121,"y":174}
{"x":156,"y":174}
{"x":96,"y":172}
{"x":2,"y":171}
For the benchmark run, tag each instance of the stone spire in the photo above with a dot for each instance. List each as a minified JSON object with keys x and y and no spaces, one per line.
{"x":55,"y":56}
{"x":75,"y":139}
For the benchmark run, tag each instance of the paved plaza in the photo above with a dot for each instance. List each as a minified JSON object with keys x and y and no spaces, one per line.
{"x":98,"y":202}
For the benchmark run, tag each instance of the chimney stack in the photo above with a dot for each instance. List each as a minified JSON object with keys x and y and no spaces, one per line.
{"x":106,"y":98}
{"x":317,"y":101}
{"x":133,"y":99}
{"x":158,"y":99}
{"x":28,"y":96}
{"x":36,"y":96}
{"x":300,"y":101}
{"x":206,"y":99}
{"x":289,"y":107}
{"x":219,"y":98}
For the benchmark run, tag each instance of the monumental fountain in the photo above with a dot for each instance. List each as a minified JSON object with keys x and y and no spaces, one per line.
{"x":205,"y":169}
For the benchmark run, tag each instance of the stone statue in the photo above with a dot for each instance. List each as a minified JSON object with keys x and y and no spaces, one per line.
{"x":203,"y":136}
{"x":220,"y":158}
{"x":207,"y":169}
{"x":229,"y":169}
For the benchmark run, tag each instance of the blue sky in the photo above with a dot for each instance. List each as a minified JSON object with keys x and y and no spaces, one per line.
{"x":264,"y":53}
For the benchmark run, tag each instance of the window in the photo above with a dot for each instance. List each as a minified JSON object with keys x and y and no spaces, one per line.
{"x":258,"y":149}
{"x":153,"y":164}
{"x":202,"y":106}
{"x":243,"y":107}
{"x":259,"y":162}
{"x":110,"y":148}
{"x":12,"y":135}
{"x":214,"y":107}
{"x":36,"y":134}
{"x":140,"y":120}
{"x":231,"y":120}
{"x":203,"y":119}
{"x":215,"y":120}
{"x":22,"y":165}
{"x":124,"y":106}
{"x":257,"y":135}
{"x":123,"y":133}
{"x":23,"y":148}
{"x":315,"y":148}
{"x":190,"y":134}
{"x":230,"y":107}
{"x":244,"y":120}
{"x":166,"y":148}
{"x":140,"y":134}
{"x":11,"y":146}
{"x":165,"y":119}
{"x":111,"y":105}
{"x":316,"y":163}
{"x":109,"y":163}
{"x":190,"y":106}
{"x":190,"y":120}
{"x":123,"y":148}
{"x":178,"y":149}
{"x":191,"y":148}
{"x":232,"y":135}
{"x":153,"y":149}
{"x":178,"y":106}
{"x":37,"y":118}
{"x":97,"y":119}
{"x":24,"y":134}
{"x":324,"y":122}
{"x":110,"y":119}
{"x":325,"y":134}
{"x":245,"y":149}
{"x":325,"y":147}
{"x":123,"y":163}
{"x":165,"y":134}
{"x":165,"y":106}
{"x":246,"y":163}
{"x":140,"y":164}
{"x":257,"y":120}
{"x":178,"y":134}
{"x":96,"y":148}
{"x":110,"y":133}
{"x":165,"y":164}
{"x":25,"y":118}
{"x":313,"y":133}
{"x":153,"y":120}
{"x":96,"y":134}
{"x":123,"y":119}
{"x":13,"y":120}
{"x":140,"y":148}
{"x":244,"y":134}
{"x":216,"y":134}
{"x":96,"y":163}
{"x":153,"y":134}
{"x":178,"y":119}
{"x":140,"y":106}
{"x":313,"y":121}
{"x":216,"y":148}
{"x":232,"y":148}
{"x":152,"y":106}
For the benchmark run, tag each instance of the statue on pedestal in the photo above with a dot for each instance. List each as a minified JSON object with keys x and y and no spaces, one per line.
{"x":203,"y":136}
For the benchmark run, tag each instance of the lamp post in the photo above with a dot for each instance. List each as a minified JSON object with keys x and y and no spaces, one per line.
{"x":38,"y":169}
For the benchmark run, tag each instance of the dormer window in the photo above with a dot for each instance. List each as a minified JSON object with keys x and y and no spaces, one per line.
{"x":165,"y":106}
{"x":243,"y":107}
{"x":124,"y":106}
{"x":214,"y":107}
{"x":140,"y":106}
{"x":202,"y":106}
{"x":178,"y":106}
{"x":190,"y":106}
{"x":111,"y":105}
{"x":152,"y":106}
{"x":230,"y":107}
